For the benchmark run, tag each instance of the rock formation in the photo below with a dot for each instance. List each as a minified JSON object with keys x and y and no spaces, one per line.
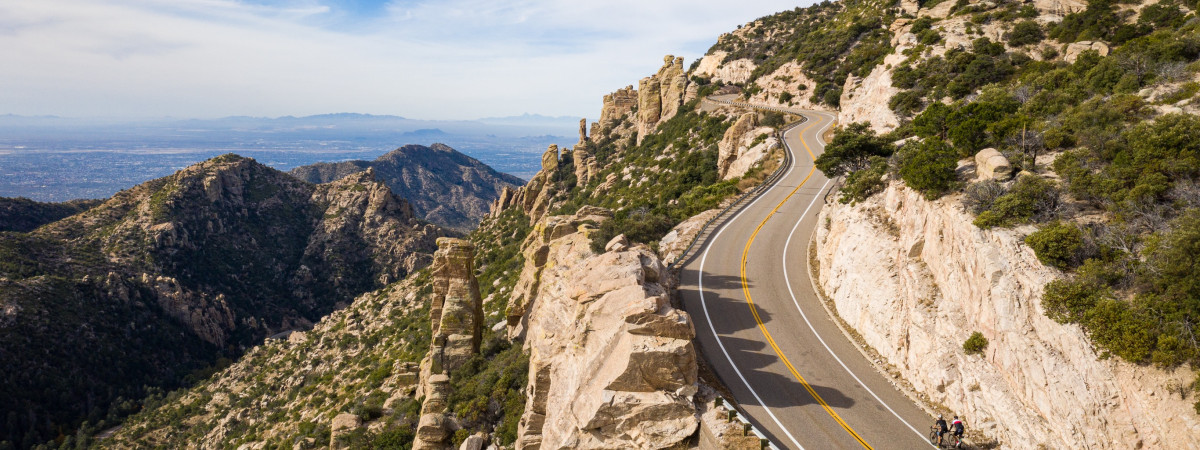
{"x":675,"y":242}
{"x":616,"y":105}
{"x":735,"y":154}
{"x":991,"y":165}
{"x":611,"y":362}
{"x":917,"y":289}
{"x":716,"y":68}
{"x":456,"y":310}
{"x":1077,"y":48}
{"x":456,"y":315}
{"x":342,"y":425}
{"x":660,"y":95}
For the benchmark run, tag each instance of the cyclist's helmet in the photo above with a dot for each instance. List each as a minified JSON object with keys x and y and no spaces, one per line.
{"x":940,"y":416}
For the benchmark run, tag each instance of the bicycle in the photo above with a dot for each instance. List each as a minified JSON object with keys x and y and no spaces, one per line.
{"x":949,"y":440}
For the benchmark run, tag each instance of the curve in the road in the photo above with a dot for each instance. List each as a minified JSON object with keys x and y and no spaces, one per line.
{"x":793,"y":418}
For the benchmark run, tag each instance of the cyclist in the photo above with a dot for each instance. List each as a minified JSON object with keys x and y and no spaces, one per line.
{"x":942,"y":429}
{"x":958,"y":427}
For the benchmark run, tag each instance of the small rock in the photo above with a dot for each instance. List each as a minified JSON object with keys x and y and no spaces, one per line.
{"x":617,"y":244}
{"x":474,"y":442}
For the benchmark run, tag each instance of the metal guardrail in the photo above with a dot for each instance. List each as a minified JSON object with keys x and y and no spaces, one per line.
{"x":741,"y":202}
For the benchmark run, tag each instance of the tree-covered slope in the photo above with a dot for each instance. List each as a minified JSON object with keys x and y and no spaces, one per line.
{"x":157,"y":283}
{"x":22,"y":214}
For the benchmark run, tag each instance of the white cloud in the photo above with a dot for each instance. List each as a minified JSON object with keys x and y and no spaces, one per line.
{"x":422,"y":59}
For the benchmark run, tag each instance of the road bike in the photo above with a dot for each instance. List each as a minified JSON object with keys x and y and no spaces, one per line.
{"x":949,"y":440}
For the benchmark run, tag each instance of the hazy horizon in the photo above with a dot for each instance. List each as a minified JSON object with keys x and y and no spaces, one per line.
{"x":448,"y":60}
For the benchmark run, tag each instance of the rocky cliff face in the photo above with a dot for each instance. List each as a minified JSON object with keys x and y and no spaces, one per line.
{"x":1039,"y":382}
{"x":743,"y":145}
{"x":442,"y":185}
{"x":611,"y":362}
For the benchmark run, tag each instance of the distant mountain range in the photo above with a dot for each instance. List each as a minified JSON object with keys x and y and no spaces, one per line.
{"x":59,"y":159}
{"x":14,"y":127}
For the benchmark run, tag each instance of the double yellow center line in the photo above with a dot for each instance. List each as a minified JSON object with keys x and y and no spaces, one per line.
{"x":763,"y":328}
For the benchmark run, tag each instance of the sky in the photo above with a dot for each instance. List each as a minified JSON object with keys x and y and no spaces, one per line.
{"x":447,"y":59}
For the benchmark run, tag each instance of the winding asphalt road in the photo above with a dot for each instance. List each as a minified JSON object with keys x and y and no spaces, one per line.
{"x":761,"y":327}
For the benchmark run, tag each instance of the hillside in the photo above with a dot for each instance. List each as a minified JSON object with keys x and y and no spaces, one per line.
{"x":444,"y":186}
{"x":149,"y":289}
{"x":22,"y":214}
{"x":359,"y":377}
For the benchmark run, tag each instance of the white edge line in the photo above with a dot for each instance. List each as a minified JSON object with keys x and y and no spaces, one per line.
{"x":787,"y":280}
{"x":708,"y":317}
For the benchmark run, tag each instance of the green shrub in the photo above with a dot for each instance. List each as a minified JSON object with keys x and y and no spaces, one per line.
{"x":928,"y":167}
{"x":1056,"y":244}
{"x":1030,"y":198}
{"x":904,"y":103}
{"x":976,"y":344}
{"x":1185,"y":91}
{"x":981,"y":196}
{"x":851,"y":150}
{"x":1025,"y":33}
{"x":864,"y":183}
{"x":395,"y":439}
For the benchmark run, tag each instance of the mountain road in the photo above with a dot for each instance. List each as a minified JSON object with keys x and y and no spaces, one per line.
{"x":761,"y":327}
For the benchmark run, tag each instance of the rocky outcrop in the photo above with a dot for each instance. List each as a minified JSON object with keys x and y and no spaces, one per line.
{"x":456,"y":314}
{"x":1077,"y":48}
{"x":611,"y":362}
{"x":716,"y":68}
{"x":866,"y":99}
{"x":456,"y":310}
{"x":991,"y":165}
{"x":672,"y":246}
{"x":915,"y":278}
{"x":660,"y":95}
{"x":616,"y":105}
{"x":741,"y":148}
{"x":209,"y":317}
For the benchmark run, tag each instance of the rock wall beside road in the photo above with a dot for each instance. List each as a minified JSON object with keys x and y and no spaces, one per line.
{"x":915,"y":278}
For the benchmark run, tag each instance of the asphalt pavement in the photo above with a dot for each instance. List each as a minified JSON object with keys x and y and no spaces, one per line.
{"x":761,"y":328}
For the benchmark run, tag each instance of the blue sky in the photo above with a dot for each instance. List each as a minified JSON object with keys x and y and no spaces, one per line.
{"x":449,"y":59}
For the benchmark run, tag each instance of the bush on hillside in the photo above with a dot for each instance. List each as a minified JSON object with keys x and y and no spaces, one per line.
{"x":851,"y":150}
{"x":1056,"y":244}
{"x":864,"y":183}
{"x":928,"y":167}
{"x":1031,"y":198}
{"x":979,"y":197}
{"x":976,"y":344}
{"x":1025,"y":33}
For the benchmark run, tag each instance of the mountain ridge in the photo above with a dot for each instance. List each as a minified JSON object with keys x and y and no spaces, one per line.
{"x":443,"y":185}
